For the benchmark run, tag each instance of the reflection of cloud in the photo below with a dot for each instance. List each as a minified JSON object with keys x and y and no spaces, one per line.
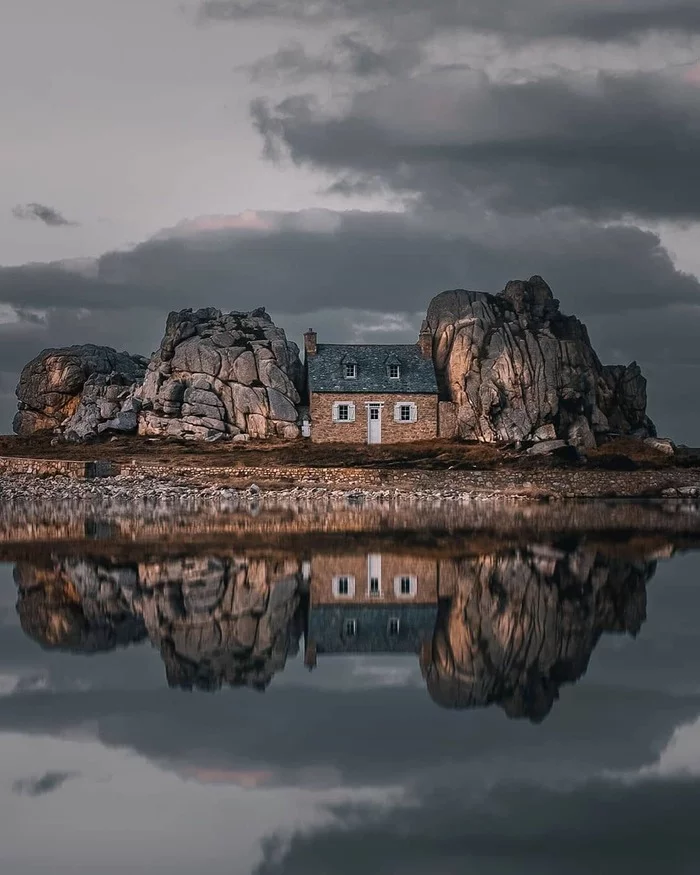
{"x":681,"y":755}
{"x":379,"y":675}
{"x":43,"y":785}
{"x":11,"y":684}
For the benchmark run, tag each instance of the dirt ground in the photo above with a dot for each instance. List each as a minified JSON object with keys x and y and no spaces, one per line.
{"x":622,"y":454}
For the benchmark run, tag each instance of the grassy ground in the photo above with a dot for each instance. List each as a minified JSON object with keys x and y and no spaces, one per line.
{"x":620,"y":454}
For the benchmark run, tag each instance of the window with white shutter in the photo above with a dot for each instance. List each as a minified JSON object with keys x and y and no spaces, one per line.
{"x":343,"y":411}
{"x":405,"y":411}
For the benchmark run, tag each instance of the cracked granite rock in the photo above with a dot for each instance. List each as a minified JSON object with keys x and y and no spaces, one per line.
{"x":219,"y":374}
{"x":518,"y":369}
{"x":79,"y":388}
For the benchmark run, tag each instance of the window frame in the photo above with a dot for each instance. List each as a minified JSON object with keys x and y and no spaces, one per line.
{"x":393,"y":627}
{"x":394,"y":366}
{"x":350,"y":370}
{"x":412,"y":586}
{"x":412,"y":408}
{"x":335,"y":585}
{"x":337,"y":405}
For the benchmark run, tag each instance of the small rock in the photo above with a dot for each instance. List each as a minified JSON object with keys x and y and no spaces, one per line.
{"x":663,"y":445}
{"x":543,"y":448}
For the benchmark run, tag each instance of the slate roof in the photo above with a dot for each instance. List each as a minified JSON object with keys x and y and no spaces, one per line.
{"x":327,"y":628}
{"x":327,"y":373}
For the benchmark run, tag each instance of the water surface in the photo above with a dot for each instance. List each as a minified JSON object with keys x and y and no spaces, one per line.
{"x":389,"y":701}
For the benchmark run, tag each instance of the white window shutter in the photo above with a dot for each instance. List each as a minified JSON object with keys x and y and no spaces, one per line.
{"x":351,"y":412}
{"x":414,"y":412}
{"x":397,"y":412}
{"x":335,"y":412}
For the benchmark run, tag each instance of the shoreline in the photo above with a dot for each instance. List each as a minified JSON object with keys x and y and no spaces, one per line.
{"x":32,"y":480}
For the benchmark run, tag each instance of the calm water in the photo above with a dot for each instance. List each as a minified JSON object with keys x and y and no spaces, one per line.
{"x":514,"y":706}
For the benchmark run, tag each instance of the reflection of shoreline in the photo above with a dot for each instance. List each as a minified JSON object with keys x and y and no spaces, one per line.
{"x":27,"y":532}
{"x":505,"y":627}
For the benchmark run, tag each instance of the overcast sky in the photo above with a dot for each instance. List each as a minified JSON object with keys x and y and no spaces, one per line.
{"x":343,"y":161}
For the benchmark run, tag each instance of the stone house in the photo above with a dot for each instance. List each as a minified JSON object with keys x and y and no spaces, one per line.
{"x":378,"y":603}
{"x":372,"y":393}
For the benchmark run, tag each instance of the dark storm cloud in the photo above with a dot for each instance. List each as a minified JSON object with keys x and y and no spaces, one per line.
{"x":376,"y":261}
{"x":599,"y":826}
{"x":608,"y":146}
{"x":41,"y":213}
{"x":349,"y":55}
{"x":43,"y":785}
{"x":591,"y":20}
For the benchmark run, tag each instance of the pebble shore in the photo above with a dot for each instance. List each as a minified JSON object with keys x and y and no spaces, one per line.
{"x":141,"y":494}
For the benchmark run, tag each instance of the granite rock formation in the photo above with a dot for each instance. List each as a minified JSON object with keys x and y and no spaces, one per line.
{"x":518,"y":369}
{"x":53,"y":385}
{"x":216,"y":621}
{"x":219,"y":374}
{"x":522,"y":623}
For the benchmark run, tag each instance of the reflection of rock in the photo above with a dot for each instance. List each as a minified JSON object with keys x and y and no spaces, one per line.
{"x":510,"y":627}
{"x":55,"y":611}
{"x":52,"y":384}
{"x":221,"y":374}
{"x":215,"y":621}
{"x":520,"y":624}
{"x":516,"y":368}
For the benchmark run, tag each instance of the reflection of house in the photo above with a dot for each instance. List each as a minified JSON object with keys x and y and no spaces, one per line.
{"x":379,"y":603}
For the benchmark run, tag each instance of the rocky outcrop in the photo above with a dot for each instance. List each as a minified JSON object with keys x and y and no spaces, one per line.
{"x":219,"y":374}
{"x":521,"y":624}
{"x":216,"y":621}
{"x":53,"y":385}
{"x":518,"y":369}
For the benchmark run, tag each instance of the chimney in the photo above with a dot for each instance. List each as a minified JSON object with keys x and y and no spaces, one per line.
{"x":425,"y":341}
{"x":310,"y":342}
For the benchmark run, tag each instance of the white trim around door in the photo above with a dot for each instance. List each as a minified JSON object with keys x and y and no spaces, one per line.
{"x":374,"y":421}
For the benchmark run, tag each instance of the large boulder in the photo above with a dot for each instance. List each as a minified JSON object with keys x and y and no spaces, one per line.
{"x":516,"y":368}
{"x":51,"y":386}
{"x":219,"y":374}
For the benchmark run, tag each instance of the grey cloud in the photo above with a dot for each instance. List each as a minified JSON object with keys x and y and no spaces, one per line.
{"x":608,"y":147}
{"x":590,"y":20}
{"x":47,"y":783}
{"x":349,"y":55}
{"x":39,"y":212}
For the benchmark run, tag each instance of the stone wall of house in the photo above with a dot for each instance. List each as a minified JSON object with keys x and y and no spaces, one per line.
{"x":323,"y":429}
{"x":326,"y":566}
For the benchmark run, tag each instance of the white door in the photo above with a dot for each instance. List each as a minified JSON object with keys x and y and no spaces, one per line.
{"x":374,"y":424}
{"x":374,"y":575}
